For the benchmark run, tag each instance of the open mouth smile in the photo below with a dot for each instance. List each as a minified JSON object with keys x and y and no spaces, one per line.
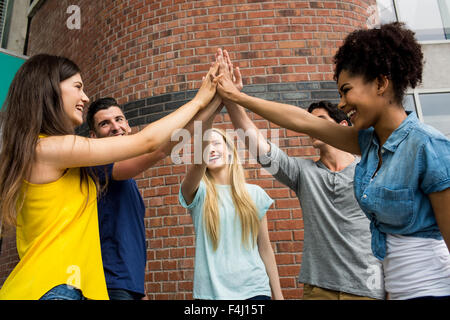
{"x":351,"y":114}
{"x":213,"y":158}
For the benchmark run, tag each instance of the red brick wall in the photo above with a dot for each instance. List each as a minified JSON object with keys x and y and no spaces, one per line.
{"x":136,"y":49}
{"x":133,"y":49}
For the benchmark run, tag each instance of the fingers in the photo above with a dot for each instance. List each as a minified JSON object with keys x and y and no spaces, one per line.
{"x":221,"y":61}
{"x":226,"y":56}
{"x":216,"y":79}
{"x":227,"y":76}
{"x":214,"y":69}
{"x":227,"y":59}
{"x":218,"y":53}
{"x":237,"y":75}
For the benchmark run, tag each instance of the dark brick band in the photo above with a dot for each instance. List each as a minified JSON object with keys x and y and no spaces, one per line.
{"x":301,"y":94}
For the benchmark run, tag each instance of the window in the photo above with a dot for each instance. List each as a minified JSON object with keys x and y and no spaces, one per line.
{"x":430,"y":19}
{"x":432,"y":107}
{"x":435,"y":110}
{"x":409,"y":103}
{"x":3,"y":19}
{"x":386,"y":11}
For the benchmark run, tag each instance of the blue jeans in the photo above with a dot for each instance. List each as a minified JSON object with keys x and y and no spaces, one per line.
{"x":260,"y":298}
{"x":121,"y":294}
{"x":63,"y":292}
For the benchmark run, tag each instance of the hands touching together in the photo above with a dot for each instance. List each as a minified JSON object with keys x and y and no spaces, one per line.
{"x":219,"y":85}
{"x":229,"y":81}
{"x":208,"y":88}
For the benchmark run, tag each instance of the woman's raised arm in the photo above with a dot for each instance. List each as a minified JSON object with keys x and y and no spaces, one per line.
{"x":74,"y":151}
{"x":288,"y":116}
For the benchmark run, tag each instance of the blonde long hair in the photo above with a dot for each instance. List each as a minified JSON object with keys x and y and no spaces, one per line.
{"x":243,"y":203}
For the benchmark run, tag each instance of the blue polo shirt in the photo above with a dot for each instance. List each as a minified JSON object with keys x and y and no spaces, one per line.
{"x":121,"y":213}
{"x":416,"y":162}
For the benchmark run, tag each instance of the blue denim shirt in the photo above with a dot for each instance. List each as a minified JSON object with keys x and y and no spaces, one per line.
{"x":416,"y":162}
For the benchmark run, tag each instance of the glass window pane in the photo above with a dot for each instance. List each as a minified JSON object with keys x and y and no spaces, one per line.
{"x":386,"y":11}
{"x":436,"y":111}
{"x":423,"y":17}
{"x":408,"y":103}
{"x":444,"y":7}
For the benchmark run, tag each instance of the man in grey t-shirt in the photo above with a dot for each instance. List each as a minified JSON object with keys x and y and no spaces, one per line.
{"x":337,"y":261}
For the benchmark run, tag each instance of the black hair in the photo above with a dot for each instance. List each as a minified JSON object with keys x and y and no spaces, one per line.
{"x":390,"y":50}
{"x":333,"y":111}
{"x":96,"y":106}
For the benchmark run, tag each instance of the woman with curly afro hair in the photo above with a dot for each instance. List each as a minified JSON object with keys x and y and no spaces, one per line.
{"x":402,"y":182}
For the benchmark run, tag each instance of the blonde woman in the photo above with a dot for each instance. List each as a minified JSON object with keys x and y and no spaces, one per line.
{"x":234,"y":259}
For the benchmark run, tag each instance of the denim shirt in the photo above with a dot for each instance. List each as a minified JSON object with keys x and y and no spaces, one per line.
{"x":416,"y":162}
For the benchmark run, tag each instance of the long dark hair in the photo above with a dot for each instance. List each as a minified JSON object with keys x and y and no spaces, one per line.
{"x":33,"y":106}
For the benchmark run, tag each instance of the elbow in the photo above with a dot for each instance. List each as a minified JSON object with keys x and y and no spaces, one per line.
{"x":152,"y":143}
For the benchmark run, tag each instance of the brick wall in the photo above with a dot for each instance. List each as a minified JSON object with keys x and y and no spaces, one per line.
{"x":138,"y":49}
{"x":151,"y":55}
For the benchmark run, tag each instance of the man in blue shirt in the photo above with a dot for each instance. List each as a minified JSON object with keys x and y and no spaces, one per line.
{"x":120,"y":207}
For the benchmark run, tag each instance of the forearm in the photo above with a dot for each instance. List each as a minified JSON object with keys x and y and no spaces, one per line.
{"x":206,"y":115}
{"x":203,"y":115}
{"x":284,"y":115}
{"x":127,"y":169}
{"x":240,"y":120}
{"x":160,"y":131}
{"x":197,"y":170}
{"x":268,"y":258}
{"x":299,"y":120}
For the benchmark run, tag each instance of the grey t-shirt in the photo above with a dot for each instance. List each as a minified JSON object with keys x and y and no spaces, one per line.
{"x":337,"y":253}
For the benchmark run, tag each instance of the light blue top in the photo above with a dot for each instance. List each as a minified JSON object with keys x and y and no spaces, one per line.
{"x":233,"y":272}
{"x":416,"y":162}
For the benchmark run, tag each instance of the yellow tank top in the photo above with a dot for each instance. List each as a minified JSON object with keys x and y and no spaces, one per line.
{"x":57,"y":240}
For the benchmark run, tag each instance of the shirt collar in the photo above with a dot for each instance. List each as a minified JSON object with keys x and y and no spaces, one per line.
{"x":399,"y":134}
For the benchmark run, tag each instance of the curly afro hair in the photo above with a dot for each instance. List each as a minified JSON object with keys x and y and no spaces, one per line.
{"x":390,"y":50}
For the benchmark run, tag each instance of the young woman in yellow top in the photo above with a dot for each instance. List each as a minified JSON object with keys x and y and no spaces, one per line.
{"x":45,"y":187}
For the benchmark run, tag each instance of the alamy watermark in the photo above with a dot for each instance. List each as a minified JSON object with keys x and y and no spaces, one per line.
{"x":375,"y":279}
{"x":373,"y":20}
{"x":74,"y":278}
{"x":237,"y":136}
{"x":73,"y":22}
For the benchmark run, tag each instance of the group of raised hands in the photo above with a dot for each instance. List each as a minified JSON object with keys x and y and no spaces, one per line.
{"x":222,"y":78}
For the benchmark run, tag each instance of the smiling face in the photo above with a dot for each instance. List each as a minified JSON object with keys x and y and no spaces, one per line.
{"x":217,"y":152}
{"x":110,"y":122}
{"x":73,"y":98}
{"x":360,"y":100}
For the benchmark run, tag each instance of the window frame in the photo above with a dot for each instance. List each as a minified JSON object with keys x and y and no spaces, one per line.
{"x":416,"y":96}
{"x":396,"y":10}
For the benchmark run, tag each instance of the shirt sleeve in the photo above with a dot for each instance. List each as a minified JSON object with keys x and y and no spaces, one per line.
{"x":198,"y":199}
{"x":262,"y":201}
{"x":285,"y":169}
{"x":435,"y":165}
